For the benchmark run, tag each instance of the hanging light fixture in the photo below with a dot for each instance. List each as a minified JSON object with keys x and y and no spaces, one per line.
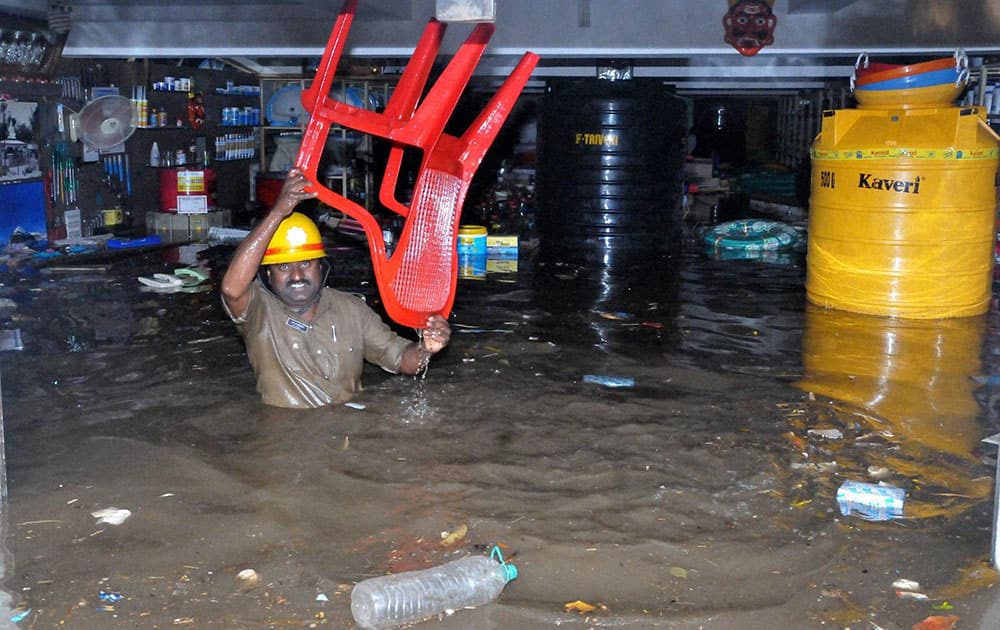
{"x":30,"y":48}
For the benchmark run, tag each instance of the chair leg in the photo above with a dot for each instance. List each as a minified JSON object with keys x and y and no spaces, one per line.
{"x":403,"y":103}
{"x":484,"y":129}
{"x":432,"y":115}
{"x":411,"y":84}
{"x":320,"y":87}
{"x":429,"y":119}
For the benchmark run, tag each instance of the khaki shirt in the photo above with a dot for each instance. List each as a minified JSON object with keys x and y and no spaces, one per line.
{"x":300,"y":364}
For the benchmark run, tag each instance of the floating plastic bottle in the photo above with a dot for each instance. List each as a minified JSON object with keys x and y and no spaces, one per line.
{"x":393,"y":600}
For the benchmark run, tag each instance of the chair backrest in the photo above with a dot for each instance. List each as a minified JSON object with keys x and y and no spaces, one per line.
{"x":426,"y":256}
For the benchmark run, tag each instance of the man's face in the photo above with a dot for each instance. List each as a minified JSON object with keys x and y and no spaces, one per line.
{"x":296,"y":283}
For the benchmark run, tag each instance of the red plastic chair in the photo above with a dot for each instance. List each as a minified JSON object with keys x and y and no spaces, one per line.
{"x":419,"y":279}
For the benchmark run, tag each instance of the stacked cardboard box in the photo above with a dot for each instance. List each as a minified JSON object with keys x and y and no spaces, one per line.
{"x":501,"y":253}
{"x":180,"y":228}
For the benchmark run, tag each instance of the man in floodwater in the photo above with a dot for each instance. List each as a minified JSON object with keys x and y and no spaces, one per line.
{"x":306,"y":342}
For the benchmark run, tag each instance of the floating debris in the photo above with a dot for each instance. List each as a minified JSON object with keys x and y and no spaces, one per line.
{"x":906,"y":585}
{"x":871,"y":502}
{"x":878,"y":472}
{"x":920,"y":597}
{"x":20,"y":616}
{"x":449,"y":539}
{"x":609,"y":381}
{"x":826,"y":434}
{"x":247,"y":579}
{"x":111,"y":515}
{"x":937,"y":622}
{"x":579,"y":606}
{"x":616,"y":315}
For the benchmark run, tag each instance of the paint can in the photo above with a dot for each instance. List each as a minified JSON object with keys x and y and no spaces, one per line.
{"x":472,"y":252}
{"x":471,"y":240}
{"x":112,"y":217}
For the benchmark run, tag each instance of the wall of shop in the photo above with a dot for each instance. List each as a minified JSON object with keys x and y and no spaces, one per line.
{"x":123,"y":177}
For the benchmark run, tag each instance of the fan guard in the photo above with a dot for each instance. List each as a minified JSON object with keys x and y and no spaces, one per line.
{"x":284,"y":108}
{"x":104,"y":122}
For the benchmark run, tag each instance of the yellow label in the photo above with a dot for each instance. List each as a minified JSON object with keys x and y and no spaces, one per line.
{"x":190,"y":181}
{"x":918,"y":154}
{"x":598,"y":139}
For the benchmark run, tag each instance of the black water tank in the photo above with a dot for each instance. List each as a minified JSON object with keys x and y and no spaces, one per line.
{"x":610,"y":170}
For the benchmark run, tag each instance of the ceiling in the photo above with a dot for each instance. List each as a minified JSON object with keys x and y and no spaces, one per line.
{"x":680,"y":40}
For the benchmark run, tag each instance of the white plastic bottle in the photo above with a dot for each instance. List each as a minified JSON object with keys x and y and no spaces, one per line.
{"x":393,"y":600}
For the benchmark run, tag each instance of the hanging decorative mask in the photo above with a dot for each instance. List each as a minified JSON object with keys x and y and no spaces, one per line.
{"x":749,"y":25}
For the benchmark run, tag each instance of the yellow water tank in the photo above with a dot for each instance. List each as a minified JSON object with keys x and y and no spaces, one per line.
{"x":902,"y":212}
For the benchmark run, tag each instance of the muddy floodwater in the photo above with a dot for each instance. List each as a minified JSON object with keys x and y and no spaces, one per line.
{"x":702,"y":496}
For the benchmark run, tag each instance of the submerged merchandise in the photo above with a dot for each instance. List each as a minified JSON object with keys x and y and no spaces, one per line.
{"x":872,"y":502}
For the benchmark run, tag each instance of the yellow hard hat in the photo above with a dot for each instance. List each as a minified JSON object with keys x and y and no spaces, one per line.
{"x":296,"y":239}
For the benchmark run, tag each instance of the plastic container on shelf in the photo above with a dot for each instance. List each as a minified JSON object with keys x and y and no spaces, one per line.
{"x":925,"y":79}
{"x":911,"y":98}
{"x":393,"y":600}
{"x":877,"y":72}
{"x":867,"y":69}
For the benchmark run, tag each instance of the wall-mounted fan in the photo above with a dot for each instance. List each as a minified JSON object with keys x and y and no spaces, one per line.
{"x":104,"y":122}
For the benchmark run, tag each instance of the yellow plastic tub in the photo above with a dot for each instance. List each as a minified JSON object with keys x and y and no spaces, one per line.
{"x":907,"y":98}
{"x":902,"y":212}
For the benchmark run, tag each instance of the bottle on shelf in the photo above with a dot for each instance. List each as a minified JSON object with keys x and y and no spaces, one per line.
{"x":240,"y":116}
{"x":143,"y":109}
{"x":235,"y":146}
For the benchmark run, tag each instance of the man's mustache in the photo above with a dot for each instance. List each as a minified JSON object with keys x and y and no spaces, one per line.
{"x":304,"y":281}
